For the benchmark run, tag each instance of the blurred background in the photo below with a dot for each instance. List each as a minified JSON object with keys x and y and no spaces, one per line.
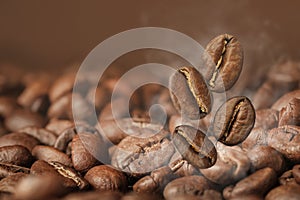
{"x":40,"y":35}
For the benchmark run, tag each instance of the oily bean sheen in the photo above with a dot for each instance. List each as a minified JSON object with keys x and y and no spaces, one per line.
{"x":189,"y":93}
{"x":224,"y":55}
{"x":234,"y":120}
{"x":194,"y":146}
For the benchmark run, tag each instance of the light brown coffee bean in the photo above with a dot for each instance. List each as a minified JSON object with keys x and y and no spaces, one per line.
{"x":266,"y":119}
{"x":58,"y":126}
{"x":189,"y":93}
{"x":9,"y":183}
{"x":296,"y":173}
{"x":22,"y":139}
{"x":234,"y":120}
{"x":224,"y":59}
{"x":7,"y":106}
{"x":43,"y":135}
{"x":290,"y":114}
{"x":257,"y":136}
{"x":285,"y":99}
{"x":283,"y":192}
{"x":287,"y":178}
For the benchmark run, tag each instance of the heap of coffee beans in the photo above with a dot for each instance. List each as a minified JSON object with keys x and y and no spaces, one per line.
{"x":237,"y":151}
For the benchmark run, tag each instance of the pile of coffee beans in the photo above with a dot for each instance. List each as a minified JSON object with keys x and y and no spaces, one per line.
{"x":208,"y":148}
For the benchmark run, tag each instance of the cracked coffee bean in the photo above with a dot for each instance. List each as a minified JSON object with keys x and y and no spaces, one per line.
{"x":194,"y":146}
{"x":9,"y":183}
{"x":234,"y":120}
{"x":224,"y":60}
{"x":189,"y":93}
{"x":9,"y":169}
{"x":290,"y":114}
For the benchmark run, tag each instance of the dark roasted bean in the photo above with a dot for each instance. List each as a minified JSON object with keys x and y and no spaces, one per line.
{"x":16,"y":155}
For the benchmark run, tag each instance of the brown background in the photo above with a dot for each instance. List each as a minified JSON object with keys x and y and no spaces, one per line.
{"x":39,"y":34}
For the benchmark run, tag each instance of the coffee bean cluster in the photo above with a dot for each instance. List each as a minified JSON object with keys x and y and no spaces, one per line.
{"x":234,"y":152}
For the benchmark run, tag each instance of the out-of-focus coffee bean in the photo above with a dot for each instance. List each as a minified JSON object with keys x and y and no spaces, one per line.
{"x":43,"y":135}
{"x":290,"y":114}
{"x":101,"y":97}
{"x":40,"y":187}
{"x":194,"y":146}
{"x":94,"y":195}
{"x":22,"y":139}
{"x":286,"y":140}
{"x":16,"y":155}
{"x":9,"y":183}
{"x":104,"y":177}
{"x":58,"y":126}
{"x":9,"y":169}
{"x":188,"y":185}
{"x":234,"y":120}
{"x":296,"y":173}
{"x":61,"y":108}
{"x":88,"y":150}
{"x":232,"y":165}
{"x":207,"y":194}
{"x":165,"y":101}
{"x":285,"y":99}
{"x":118,"y":113}
{"x":49,"y":154}
{"x":139,"y":156}
{"x":266,"y":119}
{"x":177,"y":120}
{"x":7,"y":106}
{"x":224,"y":59}
{"x":287,"y":178}
{"x":138,"y":196}
{"x":189,"y":93}
{"x":283,"y":192}
{"x":155,"y":182}
{"x":258,"y":183}
{"x":22,"y":118}
{"x":265,"y":156}
{"x":257,"y":136}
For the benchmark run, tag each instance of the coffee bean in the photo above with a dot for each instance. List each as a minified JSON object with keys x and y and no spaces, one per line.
{"x":266,"y":119}
{"x":104,"y":177}
{"x":9,"y":183}
{"x":88,"y":150}
{"x":189,"y":186}
{"x":49,"y":154}
{"x":257,"y":136}
{"x":22,"y":118}
{"x":189,"y":93}
{"x":224,"y":59}
{"x":58,"y":126}
{"x":138,"y":196}
{"x":207,"y":194}
{"x":258,"y":183}
{"x":61,"y":108}
{"x":234,"y":120}
{"x":101,"y":97}
{"x":285,"y":99}
{"x":296,"y":173}
{"x":94,"y":195}
{"x":287,"y":178}
{"x":155,"y":182}
{"x":232,"y":165}
{"x":16,"y":155}
{"x":291,"y":192}
{"x":22,"y":139}
{"x":265,"y":156}
{"x":119,"y":112}
{"x":138,"y":156}
{"x":7,"y":106}
{"x":176,"y":120}
{"x":181,"y":167}
{"x":9,"y":169}
{"x":290,"y":114}
{"x":286,"y":140}
{"x":194,"y":146}
{"x":43,"y":135}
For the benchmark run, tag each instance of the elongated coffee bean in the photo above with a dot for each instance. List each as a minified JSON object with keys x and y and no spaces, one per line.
{"x":234,"y":120}
{"x":224,"y":57}
{"x":189,"y":93}
{"x":194,"y":146}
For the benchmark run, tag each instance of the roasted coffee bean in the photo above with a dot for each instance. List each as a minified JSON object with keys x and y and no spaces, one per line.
{"x":139,"y":156}
{"x":58,"y":126}
{"x":40,"y":187}
{"x":258,"y":183}
{"x":49,"y":154}
{"x":22,"y":118}
{"x":155,"y":182}
{"x":290,"y":114}
{"x":65,"y":138}
{"x":257,"y":136}
{"x":188,"y":185}
{"x":291,"y":192}
{"x":287,"y":178}
{"x":8,"y":184}
{"x":104,"y":177}
{"x":9,"y":169}
{"x":265,"y":156}
{"x":61,"y":108}
{"x":43,"y":135}
{"x":22,"y":139}
{"x":206,"y":195}
{"x":194,"y":146}
{"x":16,"y":155}
{"x":286,"y":140}
{"x":115,"y":131}
{"x":266,"y":119}
{"x":232,"y":165}
{"x":248,"y":197}
{"x":94,"y":195}
{"x":165,"y":101}
{"x":177,"y":120}
{"x":100,"y":96}
{"x":119,"y":111}
{"x":181,"y":167}
{"x":7,"y":106}
{"x":88,"y":150}
{"x":189,"y":93}
{"x":71,"y":179}
{"x":285,"y":99}
{"x":234,"y":120}
{"x":224,"y":60}
{"x":138,"y":196}
{"x":296,"y":173}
